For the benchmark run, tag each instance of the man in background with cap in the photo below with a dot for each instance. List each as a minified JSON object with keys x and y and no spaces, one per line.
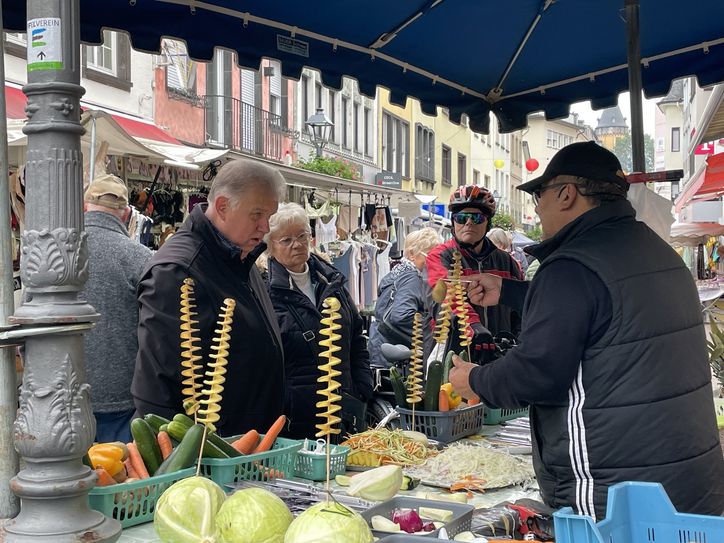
{"x":115,"y":263}
{"x":612,"y":357}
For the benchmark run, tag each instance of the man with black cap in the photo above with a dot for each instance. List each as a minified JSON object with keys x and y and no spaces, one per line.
{"x":115,"y":263}
{"x":612,"y":357}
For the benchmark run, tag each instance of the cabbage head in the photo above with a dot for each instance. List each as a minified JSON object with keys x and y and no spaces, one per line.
{"x":329,"y":522}
{"x":186,"y":511}
{"x":253,"y":515}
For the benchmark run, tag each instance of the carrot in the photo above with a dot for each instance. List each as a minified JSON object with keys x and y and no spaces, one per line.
{"x":164,"y":443}
{"x":246,"y":443}
{"x":443,"y":401}
{"x":130,"y":470}
{"x":266,"y":443}
{"x":104,"y":478}
{"x":135,"y":457}
{"x":473,"y":401}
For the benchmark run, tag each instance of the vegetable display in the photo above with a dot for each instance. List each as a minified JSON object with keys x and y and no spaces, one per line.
{"x":253,"y":515}
{"x":329,"y":522}
{"x":389,"y":447}
{"x":377,"y":484}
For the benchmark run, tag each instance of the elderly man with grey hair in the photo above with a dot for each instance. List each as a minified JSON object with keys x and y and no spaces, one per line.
{"x":216,"y":247}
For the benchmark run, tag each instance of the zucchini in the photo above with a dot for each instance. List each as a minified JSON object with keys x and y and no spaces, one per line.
{"x":155,"y":421}
{"x":447,"y":366}
{"x":213,"y":437}
{"x":398,"y":386}
{"x":148,"y":448}
{"x":432,"y":386}
{"x":185,"y":454}
{"x":177,"y":430}
{"x":464,"y":356}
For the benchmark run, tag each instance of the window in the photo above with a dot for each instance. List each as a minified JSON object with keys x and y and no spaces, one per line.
{"x":395,"y":145}
{"x":462,"y":169}
{"x":15,"y":44}
{"x":275,"y":104}
{"x":330,"y":110}
{"x":446,"y":165}
{"x":476,"y":177}
{"x":424,"y":153}
{"x":556,"y":140}
{"x":675,"y":139}
{"x":109,"y":63}
{"x":345,"y":135}
{"x":305,"y":100}
{"x":486,"y":181}
{"x":368,"y":131}
{"x":180,"y":69}
{"x":318,"y":95}
{"x":355,"y":127}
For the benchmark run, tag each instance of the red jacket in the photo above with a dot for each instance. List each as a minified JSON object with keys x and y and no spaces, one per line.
{"x":498,"y":318}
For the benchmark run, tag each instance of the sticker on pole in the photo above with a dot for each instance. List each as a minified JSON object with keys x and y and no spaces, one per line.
{"x":45,"y":51}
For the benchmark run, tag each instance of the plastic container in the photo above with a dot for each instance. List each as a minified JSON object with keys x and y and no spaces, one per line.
{"x":278,"y":462}
{"x":461,"y":521}
{"x":445,"y":426}
{"x":135,"y":502}
{"x":314,"y":466}
{"x":638,"y":513}
{"x":496,"y":416}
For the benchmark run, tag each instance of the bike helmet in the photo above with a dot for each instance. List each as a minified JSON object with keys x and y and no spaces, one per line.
{"x":473,"y":196}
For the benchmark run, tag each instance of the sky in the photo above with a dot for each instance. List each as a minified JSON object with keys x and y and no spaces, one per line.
{"x":590,"y":117}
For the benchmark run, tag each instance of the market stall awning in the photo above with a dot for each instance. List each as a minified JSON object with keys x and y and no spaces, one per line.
{"x":694,"y":233}
{"x":144,"y":130}
{"x":15,"y":102}
{"x":706,"y":184}
{"x":511,"y":58}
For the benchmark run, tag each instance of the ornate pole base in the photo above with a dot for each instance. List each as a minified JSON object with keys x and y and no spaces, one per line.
{"x":40,"y":518}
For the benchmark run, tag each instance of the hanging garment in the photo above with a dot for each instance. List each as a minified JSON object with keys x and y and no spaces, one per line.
{"x":347,"y":220}
{"x":369,"y":274}
{"x":325,"y":232}
{"x":315,"y":212}
{"x":348,"y":263}
{"x":383,"y":262}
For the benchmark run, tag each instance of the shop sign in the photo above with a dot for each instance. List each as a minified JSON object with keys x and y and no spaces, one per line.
{"x":142,"y":170}
{"x":389,"y":179}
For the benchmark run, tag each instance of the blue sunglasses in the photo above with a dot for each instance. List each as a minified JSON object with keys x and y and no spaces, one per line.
{"x":463,"y":217}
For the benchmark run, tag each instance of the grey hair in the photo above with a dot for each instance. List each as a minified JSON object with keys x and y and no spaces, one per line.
{"x":237,"y":177}
{"x":290,"y":214}
{"x":599,"y":192}
{"x":500,"y":238}
{"x":421,"y":241}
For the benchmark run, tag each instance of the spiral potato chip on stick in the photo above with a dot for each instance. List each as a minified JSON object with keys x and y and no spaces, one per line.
{"x":414,"y":379}
{"x":192,"y":369}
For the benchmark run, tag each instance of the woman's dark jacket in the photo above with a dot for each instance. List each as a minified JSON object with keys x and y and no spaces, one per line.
{"x":299,"y":322}
{"x":402,"y":293}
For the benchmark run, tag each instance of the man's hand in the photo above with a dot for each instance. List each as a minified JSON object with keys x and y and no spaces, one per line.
{"x":460,"y":377}
{"x":484,"y":289}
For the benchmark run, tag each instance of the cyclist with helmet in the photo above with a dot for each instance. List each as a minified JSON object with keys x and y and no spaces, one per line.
{"x":473,"y":208}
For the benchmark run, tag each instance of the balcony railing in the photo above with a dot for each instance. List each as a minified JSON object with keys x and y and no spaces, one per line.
{"x":233,"y":124}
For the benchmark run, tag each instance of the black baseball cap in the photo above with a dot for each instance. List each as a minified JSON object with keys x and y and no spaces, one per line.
{"x":583,"y":159}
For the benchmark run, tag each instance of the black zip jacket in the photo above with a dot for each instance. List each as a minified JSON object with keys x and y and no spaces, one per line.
{"x":612,"y":360}
{"x":254,"y":389}
{"x":299,"y":322}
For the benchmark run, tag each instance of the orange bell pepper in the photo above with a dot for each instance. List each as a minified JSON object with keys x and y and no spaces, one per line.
{"x":453,"y":397}
{"x":107,"y":456}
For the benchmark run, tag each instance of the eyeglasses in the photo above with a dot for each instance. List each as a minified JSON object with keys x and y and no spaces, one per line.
{"x":288,"y":241}
{"x":537,"y":192}
{"x":463,"y":217}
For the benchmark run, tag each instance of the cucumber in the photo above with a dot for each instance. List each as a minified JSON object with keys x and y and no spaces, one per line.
{"x":213,"y":437}
{"x":464,"y":356}
{"x":148,"y":448}
{"x":432,"y":386}
{"x":447,"y":366}
{"x":398,"y":386}
{"x":177,"y":430}
{"x":155,"y":421}
{"x":185,"y":454}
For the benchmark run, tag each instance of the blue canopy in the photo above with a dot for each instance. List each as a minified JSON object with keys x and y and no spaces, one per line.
{"x":470,"y":56}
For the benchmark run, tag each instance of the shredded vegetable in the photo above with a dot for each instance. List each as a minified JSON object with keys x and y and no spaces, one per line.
{"x":461,"y":462}
{"x":392,"y":446}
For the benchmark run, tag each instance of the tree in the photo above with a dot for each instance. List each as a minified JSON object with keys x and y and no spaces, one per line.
{"x":623,"y":150}
{"x":535,"y":233}
{"x":504,"y":221}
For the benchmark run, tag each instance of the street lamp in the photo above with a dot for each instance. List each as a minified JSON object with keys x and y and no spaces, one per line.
{"x":319,"y":128}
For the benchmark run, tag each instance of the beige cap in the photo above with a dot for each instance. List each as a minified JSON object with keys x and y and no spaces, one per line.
{"x":108,"y":191}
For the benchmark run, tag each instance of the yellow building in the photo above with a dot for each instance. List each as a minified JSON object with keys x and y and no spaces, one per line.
{"x":431,"y":153}
{"x":611,"y":127}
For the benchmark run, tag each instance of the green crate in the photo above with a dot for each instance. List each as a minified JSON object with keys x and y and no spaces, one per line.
{"x":277,"y":462}
{"x":314,"y":466}
{"x":135,"y":502}
{"x":496,"y":416}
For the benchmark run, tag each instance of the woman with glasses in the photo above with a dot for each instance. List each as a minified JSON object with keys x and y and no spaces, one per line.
{"x":473,"y":208}
{"x":299,"y":281}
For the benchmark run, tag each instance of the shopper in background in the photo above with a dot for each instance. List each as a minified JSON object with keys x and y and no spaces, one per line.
{"x":402,"y":293}
{"x":115,"y":263}
{"x":216,"y":246}
{"x":299,"y":282}
{"x":612,"y":358}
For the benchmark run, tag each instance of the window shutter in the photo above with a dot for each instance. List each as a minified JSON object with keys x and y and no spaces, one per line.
{"x":123,"y":57}
{"x":247,"y":86}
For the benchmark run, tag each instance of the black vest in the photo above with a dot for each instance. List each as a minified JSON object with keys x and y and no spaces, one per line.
{"x":641,"y":407}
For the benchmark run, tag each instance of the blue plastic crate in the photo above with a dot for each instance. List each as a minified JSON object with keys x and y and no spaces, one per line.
{"x":638,"y":513}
